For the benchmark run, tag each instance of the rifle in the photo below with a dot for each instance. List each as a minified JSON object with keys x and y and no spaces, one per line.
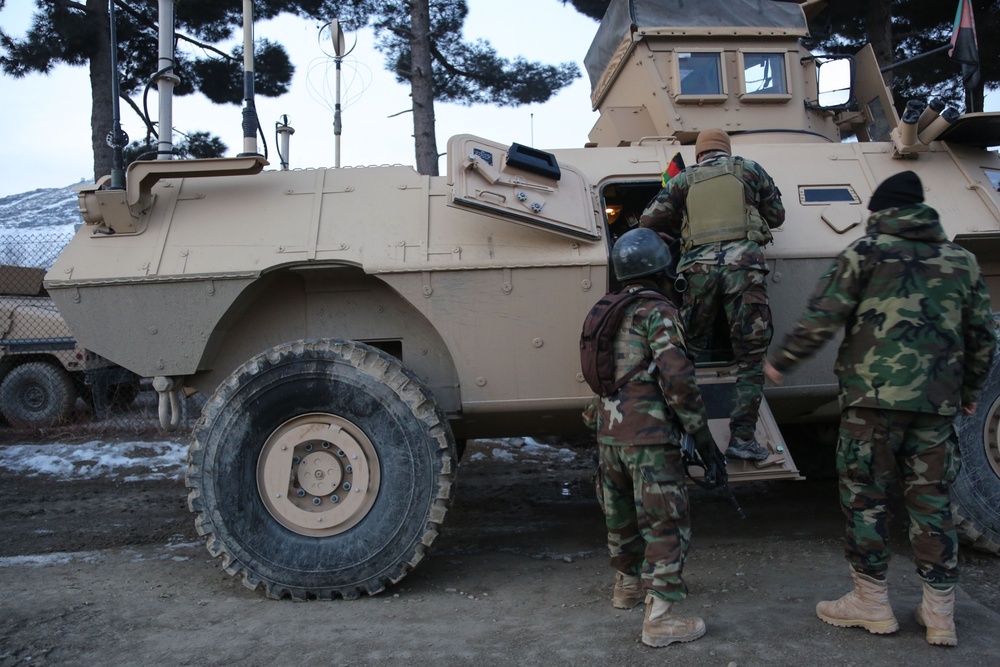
{"x":691,"y":457}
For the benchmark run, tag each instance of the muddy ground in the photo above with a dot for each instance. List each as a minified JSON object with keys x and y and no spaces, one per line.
{"x":109,"y":572}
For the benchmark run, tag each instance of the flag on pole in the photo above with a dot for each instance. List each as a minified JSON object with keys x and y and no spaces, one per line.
{"x":675,"y":167}
{"x":964,"y":47}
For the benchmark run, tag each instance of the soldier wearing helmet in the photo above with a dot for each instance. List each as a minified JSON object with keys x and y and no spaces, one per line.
{"x":721,"y":210}
{"x":639,"y":429}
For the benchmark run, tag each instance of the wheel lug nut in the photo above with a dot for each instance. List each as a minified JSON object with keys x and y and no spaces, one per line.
{"x":349,"y":470}
{"x":309,"y":447}
{"x":335,"y":498}
{"x":347,"y":486}
{"x":340,"y":453}
{"x":317,"y":501}
{"x":326,"y":445}
{"x":296,"y":460}
{"x":301,"y":493}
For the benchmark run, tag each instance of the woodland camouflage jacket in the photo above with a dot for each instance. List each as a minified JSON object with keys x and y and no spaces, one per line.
{"x":918,"y":326}
{"x":639,"y":414}
{"x":665,"y":214}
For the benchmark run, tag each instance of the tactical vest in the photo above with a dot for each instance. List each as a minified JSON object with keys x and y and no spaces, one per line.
{"x":716,"y":208}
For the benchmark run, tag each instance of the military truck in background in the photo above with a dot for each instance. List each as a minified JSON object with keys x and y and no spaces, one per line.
{"x":43,"y":370}
{"x":353,"y":327}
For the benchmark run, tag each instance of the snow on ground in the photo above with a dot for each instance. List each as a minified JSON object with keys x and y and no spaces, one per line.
{"x":140,"y":461}
{"x":127,"y":461}
{"x":510,"y":449}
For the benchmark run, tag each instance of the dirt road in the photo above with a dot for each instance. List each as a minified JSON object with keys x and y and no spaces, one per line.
{"x":111,"y":572}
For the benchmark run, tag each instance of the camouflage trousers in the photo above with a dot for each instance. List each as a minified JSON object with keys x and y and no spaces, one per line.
{"x":876,"y":446}
{"x":645,"y":506}
{"x":742,"y":295}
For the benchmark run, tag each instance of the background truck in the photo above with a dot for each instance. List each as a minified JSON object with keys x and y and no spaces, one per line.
{"x":353,"y":327}
{"x":43,"y":370}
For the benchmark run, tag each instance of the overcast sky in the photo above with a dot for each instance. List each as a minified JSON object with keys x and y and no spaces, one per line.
{"x":45,"y":119}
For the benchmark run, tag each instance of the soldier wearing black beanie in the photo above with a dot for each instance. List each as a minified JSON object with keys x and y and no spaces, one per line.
{"x":902,"y":189}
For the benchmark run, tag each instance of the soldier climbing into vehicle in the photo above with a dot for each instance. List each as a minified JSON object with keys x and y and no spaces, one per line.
{"x":722,"y":210}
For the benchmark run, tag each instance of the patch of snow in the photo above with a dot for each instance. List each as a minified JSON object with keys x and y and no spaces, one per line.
{"x":43,"y":560}
{"x":503,"y":455}
{"x":128,"y":461}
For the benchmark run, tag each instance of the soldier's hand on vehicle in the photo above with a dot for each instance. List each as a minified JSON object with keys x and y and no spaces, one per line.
{"x":772,"y":373}
{"x":969,"y":409}
{"x":715,"y":462}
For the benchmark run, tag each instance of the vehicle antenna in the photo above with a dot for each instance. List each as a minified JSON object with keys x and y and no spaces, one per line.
{"x":339,"y":50}
{"x":250,"y":121}
{"x":117,"y":139}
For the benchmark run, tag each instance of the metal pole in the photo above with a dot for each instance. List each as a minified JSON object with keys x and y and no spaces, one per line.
{"x":117,"y":138}
{"x":339,"y":51}
{"x":337,"y":126}
{"x":250,"y":123}
{"x":919,"y":56}
{"x":165,"y":82}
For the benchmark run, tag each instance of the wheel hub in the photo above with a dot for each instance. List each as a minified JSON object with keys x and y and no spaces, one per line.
{"x":991,"y":437}
{"x":34,"y":397}
{"x":318,"y":474}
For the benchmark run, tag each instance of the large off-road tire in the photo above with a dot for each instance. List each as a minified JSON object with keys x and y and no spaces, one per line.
{"x":37,"y":394}
{"x":976,"y":492}
{"x":321,"y":469}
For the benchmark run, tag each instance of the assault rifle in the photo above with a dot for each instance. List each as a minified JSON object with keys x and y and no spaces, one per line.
{"x":693,"y":458}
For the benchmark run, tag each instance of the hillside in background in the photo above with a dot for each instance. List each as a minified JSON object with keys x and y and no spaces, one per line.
{"x":36,"y":225}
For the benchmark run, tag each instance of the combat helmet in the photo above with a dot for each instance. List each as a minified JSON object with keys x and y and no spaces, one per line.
{"x":640,"y":252}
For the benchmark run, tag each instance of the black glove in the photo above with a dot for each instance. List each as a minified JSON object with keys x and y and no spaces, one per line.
{"x":715,"y":462}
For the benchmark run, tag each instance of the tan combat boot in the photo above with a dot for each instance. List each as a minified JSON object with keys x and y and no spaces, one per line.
{"x":937,"y":613}
{"x":661,"y":628}
{"x":867,"y":606}
{"x":628,"y":591}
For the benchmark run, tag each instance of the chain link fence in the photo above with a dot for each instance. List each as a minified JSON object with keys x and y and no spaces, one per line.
{"x":49,"y":384}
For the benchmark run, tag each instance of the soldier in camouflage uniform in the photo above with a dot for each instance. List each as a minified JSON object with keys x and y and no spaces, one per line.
{"x":918,"y":346}
{"x":639,"y":433}
{"x":722,"y":211}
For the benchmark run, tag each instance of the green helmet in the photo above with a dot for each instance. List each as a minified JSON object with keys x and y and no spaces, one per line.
{"x":640,"y":252}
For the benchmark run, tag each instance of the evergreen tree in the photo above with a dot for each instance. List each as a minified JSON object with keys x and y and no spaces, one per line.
{"x":77,"y":32}
{"x":423,"y":45}
{"x":901,"y":29}
{"x":593,"y":8}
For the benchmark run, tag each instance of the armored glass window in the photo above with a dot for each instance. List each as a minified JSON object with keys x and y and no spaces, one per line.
{"x":994,"y":177}
{"x":764,"y":73}
{"x":812,"y":195}
{"x":700,"y":73}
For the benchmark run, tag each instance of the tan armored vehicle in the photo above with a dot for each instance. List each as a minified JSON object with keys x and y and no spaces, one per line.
{"x":43,"y":369}
{"x":353,"y":326}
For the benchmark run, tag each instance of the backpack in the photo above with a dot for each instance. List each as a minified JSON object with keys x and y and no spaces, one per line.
{"x":597,"y":338}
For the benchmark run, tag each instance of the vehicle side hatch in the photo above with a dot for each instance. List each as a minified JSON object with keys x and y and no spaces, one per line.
{"x":522,"y":184}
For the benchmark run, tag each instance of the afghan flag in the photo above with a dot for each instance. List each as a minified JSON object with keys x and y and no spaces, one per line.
{"x":675,"y":167}
{"x":964,"y":47}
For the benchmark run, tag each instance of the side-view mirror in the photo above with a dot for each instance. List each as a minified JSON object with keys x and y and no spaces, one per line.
{"x":834,"y":84}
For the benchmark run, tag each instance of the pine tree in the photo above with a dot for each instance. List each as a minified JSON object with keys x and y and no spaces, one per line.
{"x":77,"y":32}
{"x":423,"y":45}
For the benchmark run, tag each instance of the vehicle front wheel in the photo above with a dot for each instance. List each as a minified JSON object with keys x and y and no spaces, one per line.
{"x":321,"y":469}
{"x":976,"y":492}
{"x":37,"y":394}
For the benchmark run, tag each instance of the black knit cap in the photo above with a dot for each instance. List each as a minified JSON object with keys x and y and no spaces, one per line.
{"x":902,"y":189}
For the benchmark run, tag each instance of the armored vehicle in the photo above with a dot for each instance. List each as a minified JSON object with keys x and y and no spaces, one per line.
{"x":43,"y":369}
{"x":353,"y":327}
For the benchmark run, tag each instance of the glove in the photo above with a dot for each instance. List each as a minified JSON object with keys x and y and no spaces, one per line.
{"x":715,"y":462}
